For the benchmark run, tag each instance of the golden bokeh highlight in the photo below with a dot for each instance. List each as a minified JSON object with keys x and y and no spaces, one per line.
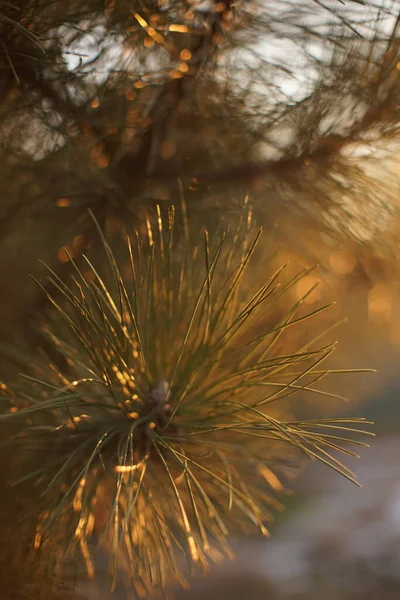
{"x":62,"y":202}
{"x":176,"y":74}
{"x":342,"y":262}
{"x":65,"y":253}
{"x":177,"y":28}
{"x":380,"y":300}
{"x":148,"y":42}
{"x":185,"y":54}
{"x":309,"y":286}
{"x":184,"y":67}
{"x":99,"y":157}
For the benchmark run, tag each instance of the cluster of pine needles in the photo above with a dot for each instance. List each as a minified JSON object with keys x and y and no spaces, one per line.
{"x":158,"y":439}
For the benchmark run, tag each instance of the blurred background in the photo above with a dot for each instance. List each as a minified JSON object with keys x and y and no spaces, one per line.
{"x":117,"y":106}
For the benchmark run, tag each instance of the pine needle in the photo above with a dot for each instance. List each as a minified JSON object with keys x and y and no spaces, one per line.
{"x":159,"y":442}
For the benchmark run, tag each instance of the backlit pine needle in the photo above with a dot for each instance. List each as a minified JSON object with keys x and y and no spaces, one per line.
{"x":160,"y":440}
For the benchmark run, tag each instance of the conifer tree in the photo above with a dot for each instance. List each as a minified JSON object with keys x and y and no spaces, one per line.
{"x":142,"y":145}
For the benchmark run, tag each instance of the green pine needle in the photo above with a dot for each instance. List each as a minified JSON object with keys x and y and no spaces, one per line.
{"x":160,"y":441}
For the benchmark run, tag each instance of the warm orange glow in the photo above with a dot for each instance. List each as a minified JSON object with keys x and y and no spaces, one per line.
{"x":271,"y":478}
{"x":157,"y":37}
{"x":380,"y":300}
{"x":95,"y":103}
{"x":62,"y":202}
{"x":342,"y":262}
{"x":140,"y":589}
{"x":87,"y":558}
{"x":140,"y":20}
{"x":193,"y":548}
{"x":139,"y":85}
{"x":152,"y":33}
{"x":305,"y":285}
{"x":217,"y":38}
{"x":178,"y":28}
{"x":38,"y":539}
{"x":65,"y":253}
{"x":227,"y":24}
{"x":77,"y":502}
{"x":184,"y":67}
{"x":103,"y":162}
{"x":155,"y":18}
{"x":217,"y":556}
{"x":148,"y":42}
{"x":90,"y":524}
{"x":126,"y":469}
{"x":130,"y":94}
{"x":175,"y":74}
{"x":185,"y":54}
{"x":98,"y":156}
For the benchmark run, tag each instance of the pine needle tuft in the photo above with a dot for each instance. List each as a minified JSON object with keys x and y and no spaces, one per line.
{"x":160,"y":438}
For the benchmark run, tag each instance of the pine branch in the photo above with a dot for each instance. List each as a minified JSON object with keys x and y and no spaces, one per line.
{"x":162,"y":439}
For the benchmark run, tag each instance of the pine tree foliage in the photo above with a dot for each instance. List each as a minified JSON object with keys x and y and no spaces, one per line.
{"x":22,"y":576}
{"x":153,"y":441}
{"x":113,"y":107}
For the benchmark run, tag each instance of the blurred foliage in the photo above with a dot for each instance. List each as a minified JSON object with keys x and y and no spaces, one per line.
{"x":114,"y":106}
